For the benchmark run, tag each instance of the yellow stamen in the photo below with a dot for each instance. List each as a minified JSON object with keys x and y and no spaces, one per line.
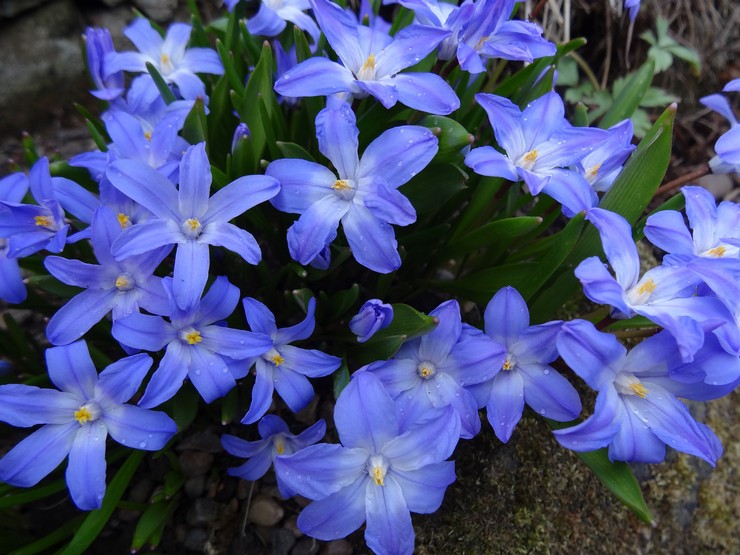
{"x":42,"y":221}
{"x":481,"y":42}
{"x":639,"y":389}
{"x":425,"y":371}
{"x":648,"y":287}
{"x":719,"y":252}
{"x":122,"y":282}
{"x":165,"y":58}
{"x":148,"y":135}
{"x":279,"y":445}
{"x":83,"y":414}
{"x":593,"y":171}
{"x":123,"y":220}
{"x":341,"y":185}
{"x":507,"y":365}
{"x":192,"y":223}
{"x":277,"y":359}
{"x":193,"y":337}
{"x":378,"y":476}
{"x":369,"y":63}
{"x":531,"y":156}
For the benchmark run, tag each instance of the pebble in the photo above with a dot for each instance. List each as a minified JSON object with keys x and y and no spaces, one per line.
{"x":292,"y":525}
{"x":244,"y":488}
{"x":203,"y":511}
{"x":196,"y":540}
{"x":337,"y":547}
{"x":195,"y":486}
{"x":194,"y":463}
{"x":140,"y":491}
{"x":282,"y":541}
{"x":306,"y":546}
{"x":202,"y":441}
{"x":265,"y":511}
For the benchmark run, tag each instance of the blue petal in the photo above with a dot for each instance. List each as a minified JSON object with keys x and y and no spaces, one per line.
{"x":120,"y":380}
{"x":596,"y":357}
{"x":320,"y":470}
{"x":336,"y":516}
{"x":139,"y":428}
{"x":25,"y":405}
{"x":488,"y":161}
{"x":294,"y":388}
{"x":261,"y":393}
{"x":271,"y":425}
{"x":545,"y":116}
{"x":549,"y":393}
{"x":210,"y":374}
{"x":79,"y":202}
{"x":635,"y":442}
{"x":237,"y":240}
{"x":409,"y":46}
{"x":506,"y":316}
{"x":37,"y":455}
{"x":308,"y":362}
{"x":86,"y":468}
{"x":218,"y":303}
{"x":77,"y":273}
{"x":203,"y":60}
{"x":397,"y":374}
{"x":265,"y":22}
{"x":310,"y":435}
{"x":436,"y":345}
{"x":599,"y":429}
{"x":144,"y":37}
{"x":256,"y":467}
{"x":168,"y":378}
{"x":443,"y":391}
{"x":142,"y":331}
{"x":191,"y":273}
{"x":365,"y":414}
{"x":620,"y":249}
{"x":239,"y":196}
{"x":243,"y":449}
{"x":572,"y":191}
{"x":301,"y":330}
{"x":71,"y":369}
{"x":667,"y":231}
{"x":702,"y":214}
{"x":426,"y":92}
{"x":315,"y":77}
{"x":474,"y":359}
{"x":146,"y":237}
{"x":236,"y":344}
{"x":310,"y":234}
{"x":506,"y":404}
{"x":388,"y":204}
{"x":372,"y":240}
{"x":12,"y":288}
{"x":505,"y":118}
{"x":259,"y":317}
{"x":337,"y":133}
{"x":302,"y":183}
{"x":389,"y":528}
{"x":80,"y":314}
{"x":147,"y":187}
{"x":600,"y":286}
{"x":424,"y":488}
{"x":428,"y":443}
{"x":195,"y":181}
{"x":340,"y":29}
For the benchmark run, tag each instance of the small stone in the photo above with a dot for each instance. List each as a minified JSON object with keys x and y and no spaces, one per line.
{"x":202,"y":441}
{"x":244,"y":488}
{"x":195,"y":463}
{"x":195,"y":486}
{"x":292,"y":525}
{"x":337,"y":547}
{"x":158,"y":10}
{"x":196,"y":540}
{"x":306,"y":546}
{"x":282,"y":541}
{"x":226,"y":489}
{"x":719,"y":184}
{"x":140,"y":491}
{"x":265,"y":511}
{"x":203,"y":511}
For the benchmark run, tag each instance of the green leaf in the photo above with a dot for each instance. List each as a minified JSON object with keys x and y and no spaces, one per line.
{"x":496,"y":232}
{"x":33,"y":494}
{"x":292,"y":150}
{"x":44,"y":544}
{"x":152,"y":519}
{"x":340,"y":379}
{"x":258,"y":87}
{"x":97,"y":519}
{"x":195,"y":128}
{"x":185,"y":406}
{"x":378,"y":349}
{"x":167,"y":95}
{"x":452,"y":137}
{"x":433,"y":186}
{"x":339,"y":303}
{"x":629,"y":98}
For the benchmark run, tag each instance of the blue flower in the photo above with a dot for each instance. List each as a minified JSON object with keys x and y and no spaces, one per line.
{"x":121,"y":287}
{"x":170,"y":56}
{"x":727,"y":146}
{"x":12,"y":290}
{"x":525,"y":376}
{"x":372,"y":61}
{"x":273,"y":15}
{"x":539,"y":144}
{"x":188,"y":217}
{"x":364,"y":196}
{"x":373,"y":316}
{"x":438,"y":370}
{"x":378,"y":475}
{"x":98,"y":43}
{"x":197,"y":347}
{"x":280,"y":365}
{"x":634,"y":416}
{"x":77,"y":421}
{"x":276,"y":441}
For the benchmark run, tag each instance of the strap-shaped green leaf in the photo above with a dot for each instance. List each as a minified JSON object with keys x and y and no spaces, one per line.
{"x":496,"y":232}
{"x":152,"y":519}
{"x":167,"y":95}
{"x":629,"y":99}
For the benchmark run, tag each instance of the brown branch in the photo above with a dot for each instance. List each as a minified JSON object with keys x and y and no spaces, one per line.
{"x":676,"y":183}
{"x":537,"y":9}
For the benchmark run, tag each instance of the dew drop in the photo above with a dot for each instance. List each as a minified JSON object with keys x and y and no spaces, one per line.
{"x":542,"y":411}
{"x":142,"y":444}
{"x":197,"y":372}
{"x":546,"y":372}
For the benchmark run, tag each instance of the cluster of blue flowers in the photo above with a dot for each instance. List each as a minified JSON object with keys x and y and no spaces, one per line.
{"x":163,"y":215}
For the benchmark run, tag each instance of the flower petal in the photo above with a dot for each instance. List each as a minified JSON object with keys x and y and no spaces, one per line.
{"x":79,"y":315}
{"x":389,"y":528}
{"x":191,"y":273}
{"x":86,"y":468}
{"x":549,"y":393}
{"x":261,"y":393}
{"x":239,"y":196}
{"x":337,"y":133}
{"x":139,"y":428}
{"x":168,"y":378}
{"x":424,"y":488}
{"x":120,"y":380}
{"x":506,"y":404}
{"x":147,"y":187}
{"x":427,"y":92}
{"x":71,"y":369}
{"x":235,"y":239}
{"x":37,"y":455}
{"x":195,"y":180}
{"x":365,"y":414}
{"x":25,"y":406}
{"x":506,"y":316}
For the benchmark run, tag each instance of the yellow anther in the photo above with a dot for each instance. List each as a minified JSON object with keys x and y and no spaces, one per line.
{"x":481,"y":42}
{"x":193,"y":337}
{"x":193,"y":224}
{"x":83,"y":414}
{"x":369,"y":63}
{"x":378,"y":476}
{"x":42,"y":221}
{"x":279,"y":445}
{"x":593,"y":171}
{"x":507,"y":365}
{"x":647,"y":287}
{"x":530,"y":157}
{"x":165,"y":58}
{"x":425,"y":371}
{"x":639,"y":389}
{"x":341,"y":185}
{"x":122,"y":282}
{"x":719,"y":252}
{"x":148,"y":135}
{"x":277,"y":359}
{"x":123,"y":220}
